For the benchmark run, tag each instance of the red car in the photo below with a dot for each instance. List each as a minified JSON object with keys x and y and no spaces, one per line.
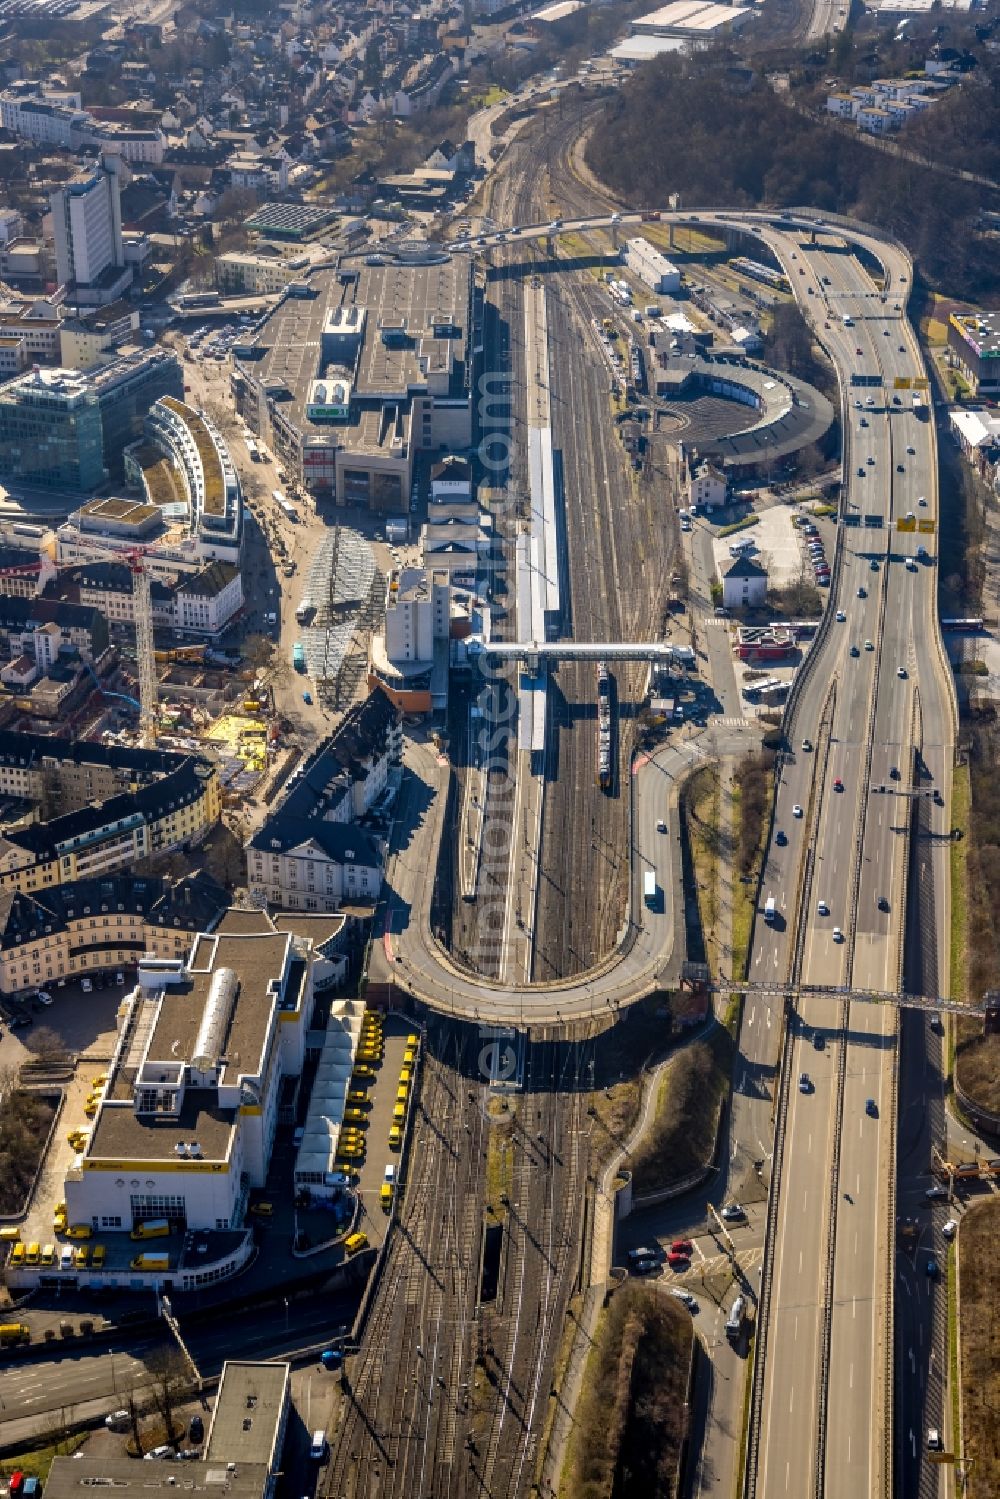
{"x":678,"y":1261}
{"x":682,"y":1246}
{"x":838,"y":784}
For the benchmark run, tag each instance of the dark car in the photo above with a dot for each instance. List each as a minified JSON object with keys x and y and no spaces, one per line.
{"x":883,"y":903}
{"x":819,"y":1040}
{"x":643,"y":1267}
{"x":781,"y":838}
{"x":932,"y":1269}
{"x":871,"y":1108}
{"x":196,"y":1431}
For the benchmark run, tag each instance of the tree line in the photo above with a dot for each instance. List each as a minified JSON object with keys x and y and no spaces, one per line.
{"x":715,"y":132}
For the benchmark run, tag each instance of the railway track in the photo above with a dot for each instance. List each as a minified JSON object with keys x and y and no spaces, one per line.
{"x":399,"y":1432}
{"x":520,"y":1336}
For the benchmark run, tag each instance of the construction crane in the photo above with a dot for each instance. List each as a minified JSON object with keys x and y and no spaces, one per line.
{"x":142,"y":613}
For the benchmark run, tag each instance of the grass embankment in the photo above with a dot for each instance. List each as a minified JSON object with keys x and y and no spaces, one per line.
{"x":975,"y":945}
{"x":739,"y":525}
{"x":632,"y":1417}
{"x":701,"y":810}
{"x":499,"y":1170}
{"x":752,"y":791}
{"x":36,"y":1463}
{"x":979,"y":1284}
{"x":681,"y":1135}
{"x":24,"y":1128}
{"x":961,"y":805}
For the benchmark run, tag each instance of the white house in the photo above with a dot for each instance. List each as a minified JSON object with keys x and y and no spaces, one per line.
{"x":707,"y":487}
{"x":744,"y":584}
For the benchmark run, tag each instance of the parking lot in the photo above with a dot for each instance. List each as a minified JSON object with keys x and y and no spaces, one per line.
{"x":378,"y":1152}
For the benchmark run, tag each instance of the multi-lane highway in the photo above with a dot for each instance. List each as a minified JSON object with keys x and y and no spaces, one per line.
{"x":871,"y":729}
{"x":875,"y":707}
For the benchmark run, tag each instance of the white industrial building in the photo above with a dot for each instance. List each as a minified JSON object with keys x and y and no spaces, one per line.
{"x":186,"y":1124}
{"x":697,"y":19}
{"x":652,"y":268}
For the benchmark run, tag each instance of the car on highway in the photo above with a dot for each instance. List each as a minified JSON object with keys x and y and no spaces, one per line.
{"x":900,"y":469}
{"x":642,"y":1252}
{"x":911,"y":566}
{"x":307,"y":697}
{"x":950,"y":1229}
{"x":874,"y":564}
{"x":679,"y":1293}
{"x":841,"y":616}
{"x":883,"y":903}
{"x":781,"y":837}
{"x":796,"y":810}
{"x":838,"y":935}
{"x":805,"y":1083}
{"x":822,"y":909}
{"x":685,"y":525}
{"x":871,"y":1108}
{"x":862,"y":593}
{"x":855,"y":651}
{"x":838,"y":784}
{"x":861,"y":472}
{"x":807,"y":745}
{"x":901,"y":671}
{"x":661,"y":826}
{"x":869,"y":645}
{"x":934,"y":1442}
{"x":931,"y":1269}
{"x":819,"y":1041}
{"x":732,"y":1213}
{"x":936,"y":1194}
{"x":910,"y":449}
{"x":922,"y":499}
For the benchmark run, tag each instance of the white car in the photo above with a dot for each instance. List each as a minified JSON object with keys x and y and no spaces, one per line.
{"x":841,"y":616}
{"x":681,"y":1295}
{"x":661,"y":826}
{"x":796,"y":810}
{"x":685,"y":525}
{"x":43,"y":998}
{"x":950,"y":1229}
{"x":838,"y":935}
{"x":822,"y":909}
{"x":733,"y":1213}
{"x":901,"y":671}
